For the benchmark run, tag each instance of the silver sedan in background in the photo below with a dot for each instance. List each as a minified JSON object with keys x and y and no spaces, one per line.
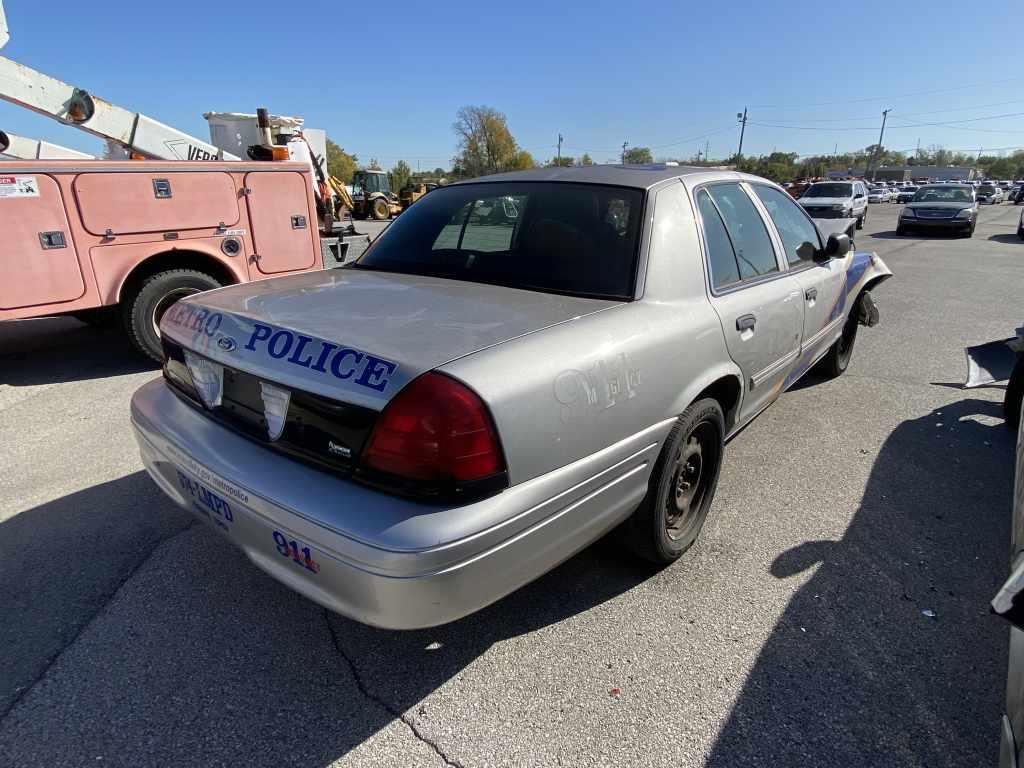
{"x":517,"y":366}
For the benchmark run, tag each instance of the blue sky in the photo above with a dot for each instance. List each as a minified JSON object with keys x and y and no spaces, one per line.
{"x":666,"y":75}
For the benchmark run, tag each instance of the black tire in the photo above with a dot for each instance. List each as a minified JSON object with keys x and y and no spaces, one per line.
{"x":969,"y":232}
{"x":380,"y":209}
{"x":901,"y":230}
{"x":1014,"y":395}
{"x":837,"y":359}
{"x":862,"y":219}
{"x":1020,"y":232}
{"x":682,"y":486}
{"x":142,"y":310}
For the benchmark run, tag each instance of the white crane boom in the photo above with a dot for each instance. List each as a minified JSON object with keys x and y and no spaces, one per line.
{"x":137,"y":133}
{"x":24,"y":148}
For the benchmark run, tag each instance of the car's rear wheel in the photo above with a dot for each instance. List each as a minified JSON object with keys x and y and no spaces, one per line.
{"x":902,"y":230}
{"x":862,"y":219}
{"x":837,"y":359}
{"x":682,"y":485}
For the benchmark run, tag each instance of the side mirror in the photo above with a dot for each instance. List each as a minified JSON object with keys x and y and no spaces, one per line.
{"x":807,"y":251}
{"x":836,"y":247}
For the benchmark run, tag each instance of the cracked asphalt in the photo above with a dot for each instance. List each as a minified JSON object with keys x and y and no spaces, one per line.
{"x":792,"y":634}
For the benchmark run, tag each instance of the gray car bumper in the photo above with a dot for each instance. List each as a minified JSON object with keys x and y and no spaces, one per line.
{"x":379,"y":559}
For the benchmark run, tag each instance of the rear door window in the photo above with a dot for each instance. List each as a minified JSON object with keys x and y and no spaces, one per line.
{"x":755,"y":255}
{"x":721,"y":256}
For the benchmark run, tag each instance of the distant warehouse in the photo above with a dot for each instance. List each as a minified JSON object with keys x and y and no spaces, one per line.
{"x":908,"y":172}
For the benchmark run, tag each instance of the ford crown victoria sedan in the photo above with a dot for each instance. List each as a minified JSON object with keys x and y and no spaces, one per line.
{"x":948,"y":207}
{"x":519,"y":365}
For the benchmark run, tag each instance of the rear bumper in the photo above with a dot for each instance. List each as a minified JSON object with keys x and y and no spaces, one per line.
{"x":378,"y":559}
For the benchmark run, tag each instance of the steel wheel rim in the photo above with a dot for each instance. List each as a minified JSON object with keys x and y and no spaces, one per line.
{"x":692,"y":474}
{"x":168,"y":299}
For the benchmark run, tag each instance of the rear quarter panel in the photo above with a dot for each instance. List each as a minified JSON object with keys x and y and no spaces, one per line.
{"x":565,"y":393}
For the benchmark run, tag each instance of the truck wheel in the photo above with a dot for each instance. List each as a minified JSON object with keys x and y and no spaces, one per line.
{"x":381,"y":209}
{"x":1014,"y":395}
{"x":143,"y":309}
{"x":837,"y":359}
{"x":682,"y":486}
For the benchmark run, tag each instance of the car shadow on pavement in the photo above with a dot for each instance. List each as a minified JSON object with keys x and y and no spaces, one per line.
{"x":887,"y":655}
{"x":54,"y":350}
{"x":1013,"y":239}
{"x":175,"y":650}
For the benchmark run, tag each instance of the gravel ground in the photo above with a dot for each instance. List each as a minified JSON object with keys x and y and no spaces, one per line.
{"x":791,"y":634}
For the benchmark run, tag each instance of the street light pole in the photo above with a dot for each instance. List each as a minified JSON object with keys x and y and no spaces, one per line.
{"x":624,"y":145}
{"x":742,"y":117}
{"x":559,"y":161}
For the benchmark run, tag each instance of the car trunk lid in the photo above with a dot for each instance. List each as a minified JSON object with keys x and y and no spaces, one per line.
{"x":358,"y":336}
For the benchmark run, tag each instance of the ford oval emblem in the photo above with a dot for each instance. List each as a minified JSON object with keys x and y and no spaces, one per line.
{"x":226,"y":343}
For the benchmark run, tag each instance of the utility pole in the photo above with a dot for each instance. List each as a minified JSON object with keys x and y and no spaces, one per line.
{"x":707,"y":149}
{"x":559,"y":161}
{"x":698,"y":157}
{"x":624,"y":145}
{"x":878,"y":146}
{"x":917,"y":152}
{"x":743,"y":128}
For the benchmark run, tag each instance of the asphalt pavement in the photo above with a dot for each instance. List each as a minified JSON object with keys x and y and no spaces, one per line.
{"x":793,"y":633}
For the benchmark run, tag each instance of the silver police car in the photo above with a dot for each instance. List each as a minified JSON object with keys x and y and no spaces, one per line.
{"x":517,"y":366}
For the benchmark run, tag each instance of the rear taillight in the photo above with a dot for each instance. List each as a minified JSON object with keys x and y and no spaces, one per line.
{"x":436,"y":432}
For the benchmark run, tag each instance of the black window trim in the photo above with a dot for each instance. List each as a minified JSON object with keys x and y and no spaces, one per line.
{"x":783,"y":270}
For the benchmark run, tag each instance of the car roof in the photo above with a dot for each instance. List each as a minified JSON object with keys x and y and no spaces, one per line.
{"x":638,"y":176}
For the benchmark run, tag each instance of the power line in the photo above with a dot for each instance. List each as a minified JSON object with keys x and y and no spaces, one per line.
{"x":888,"y":97}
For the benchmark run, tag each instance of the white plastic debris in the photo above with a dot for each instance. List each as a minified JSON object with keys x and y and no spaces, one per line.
{"x":929,"y":613}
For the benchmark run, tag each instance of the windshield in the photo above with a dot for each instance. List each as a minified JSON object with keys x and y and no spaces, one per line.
{"x":986,"y":189}
{"x":830,"y":190}
{"x":579,"y":239}
{"x":944,"y":195}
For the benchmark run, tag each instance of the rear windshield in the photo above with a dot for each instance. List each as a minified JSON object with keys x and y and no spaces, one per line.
{"x":987,"y":189}
{"x":578,"y":239}
{"x":830,"y":190}
{"x":944,"y":194}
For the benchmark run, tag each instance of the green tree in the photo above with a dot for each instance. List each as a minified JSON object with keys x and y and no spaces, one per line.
{"x":564,"y":162}
{"x":638,"y":156}
{"x":340,"y":163}
{"x":522,"y":161}
{"x":400,"y":175}
{"x":585,"y":160}
{"x":485,"y":143}
{"x":374,"y":165}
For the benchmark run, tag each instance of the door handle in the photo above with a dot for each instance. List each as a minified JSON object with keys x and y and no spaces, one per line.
{"x":811,"y":294}
{"x":746,"y":323}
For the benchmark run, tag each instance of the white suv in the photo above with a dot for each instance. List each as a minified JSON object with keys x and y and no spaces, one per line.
{"x":837,"y":200}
